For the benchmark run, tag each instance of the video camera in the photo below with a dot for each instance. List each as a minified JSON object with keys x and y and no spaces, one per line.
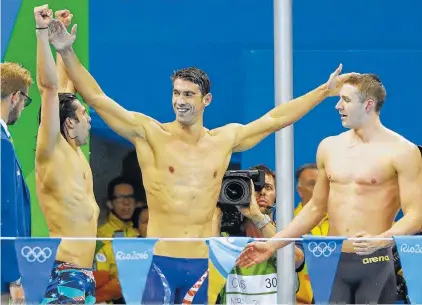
{"x":236,"y":186}
{"x":236,"y":191}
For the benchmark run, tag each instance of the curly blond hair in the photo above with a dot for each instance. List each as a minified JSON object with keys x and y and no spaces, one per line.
{"x":14,"y":77}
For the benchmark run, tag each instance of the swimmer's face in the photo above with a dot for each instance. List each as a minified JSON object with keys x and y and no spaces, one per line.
{"x":354,"y":112}
{"x":188,"y":101}
{"x":81,"y":125}
{"x":17,"y":104}
{"x":123,"y":202}
{"x":306,"y":184}
{"x":266,"y":197}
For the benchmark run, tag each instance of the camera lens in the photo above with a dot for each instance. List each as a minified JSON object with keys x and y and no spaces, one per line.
{"x":234,"y":191}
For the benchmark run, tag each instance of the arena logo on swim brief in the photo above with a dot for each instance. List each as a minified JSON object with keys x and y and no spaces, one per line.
{"x":410,"y":250}
{"x":120,"y":255}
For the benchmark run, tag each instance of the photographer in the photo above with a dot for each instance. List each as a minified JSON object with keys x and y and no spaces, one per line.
{"x":256,"y":285}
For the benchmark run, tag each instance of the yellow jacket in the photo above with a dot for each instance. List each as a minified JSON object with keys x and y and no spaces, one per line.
{"x":304,"y":294}
{"x":104,"y":257}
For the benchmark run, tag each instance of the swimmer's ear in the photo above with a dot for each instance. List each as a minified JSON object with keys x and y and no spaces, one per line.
{"x":206,"y":100}
{"x":14,"y":98}
{"x":69,"y":123}
{"x":370,"y":105}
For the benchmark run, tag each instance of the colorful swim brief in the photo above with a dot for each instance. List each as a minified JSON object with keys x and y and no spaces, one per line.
{"x":70,"y":284}
{"x":177,"y":281}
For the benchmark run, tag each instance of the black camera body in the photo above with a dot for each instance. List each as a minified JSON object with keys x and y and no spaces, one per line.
{"x":236,"y":187}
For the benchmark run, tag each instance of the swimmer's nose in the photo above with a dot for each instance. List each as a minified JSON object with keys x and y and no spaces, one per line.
{"x":339,"y":105}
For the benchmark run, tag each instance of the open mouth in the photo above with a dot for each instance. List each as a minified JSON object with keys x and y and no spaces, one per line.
{"x":182,"y":110}
{"x":343,"y":116}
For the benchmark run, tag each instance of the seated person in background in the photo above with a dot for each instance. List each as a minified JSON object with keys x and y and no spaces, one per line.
{"x":306,"y":177}
{"x":121,"y":201}
{"x":140,"y":220}
{"x":132,"y":171}
{"x":257,"y":285}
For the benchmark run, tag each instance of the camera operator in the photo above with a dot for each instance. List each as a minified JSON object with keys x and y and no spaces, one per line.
{"x":258,"y":284}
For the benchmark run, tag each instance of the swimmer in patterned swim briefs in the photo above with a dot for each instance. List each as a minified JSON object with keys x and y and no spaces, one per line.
{"x":63,"y":175}
{"x":183,"y":164}
{"x":70,"y":284}
{"x":365,"y":175}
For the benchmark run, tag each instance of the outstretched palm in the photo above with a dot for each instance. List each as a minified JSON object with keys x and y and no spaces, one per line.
{"x":59,"y":36}
{"x":254,"y":253}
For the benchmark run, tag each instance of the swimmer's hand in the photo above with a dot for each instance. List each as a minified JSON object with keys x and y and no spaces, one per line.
{"x":60,"y":37}
{"x":64,"y":16}
{"x":255,"y":253}
{"x":252,"y":211}
{"x":16,"y":294}
{"x":336,"y":81}
{"x":43,"y":16}
{"x":366,"y":247}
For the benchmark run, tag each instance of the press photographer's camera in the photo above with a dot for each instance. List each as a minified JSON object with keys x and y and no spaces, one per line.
{"x":236,"y":187}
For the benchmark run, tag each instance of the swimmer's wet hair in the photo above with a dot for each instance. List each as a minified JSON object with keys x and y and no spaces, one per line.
{"x":370,"y":87}
{"x":266,"y":169}
{"x":196,"y":76}
{"x":67,"y":110}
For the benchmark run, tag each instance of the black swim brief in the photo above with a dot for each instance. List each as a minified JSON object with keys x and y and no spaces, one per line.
{"x":365,"y":279}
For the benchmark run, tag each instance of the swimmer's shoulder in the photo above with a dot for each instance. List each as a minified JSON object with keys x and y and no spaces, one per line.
{"x":331,"y":142}
{"x":147,"y":121}
{"x":400,"y":147}
{"x":226,"y":130}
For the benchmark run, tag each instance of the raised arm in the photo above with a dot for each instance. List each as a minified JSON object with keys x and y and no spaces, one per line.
{"x":65,"y":84}
{"x":49,"y":129}
{"x":126,"y":123}
{"x":247,"y":136}
{"x":408,"y":165}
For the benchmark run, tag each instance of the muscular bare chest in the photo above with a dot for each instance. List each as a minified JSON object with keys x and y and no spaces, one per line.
{"x":195,"y":165}
{"x":362,"y":164}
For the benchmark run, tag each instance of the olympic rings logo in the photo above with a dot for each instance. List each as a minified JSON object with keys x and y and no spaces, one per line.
{"x":322,"y":249}
{"x":36,"y":254}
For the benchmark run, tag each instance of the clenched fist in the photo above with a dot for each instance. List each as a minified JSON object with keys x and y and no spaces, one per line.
{"x":64,"y":16}
{"x":43,"y":16}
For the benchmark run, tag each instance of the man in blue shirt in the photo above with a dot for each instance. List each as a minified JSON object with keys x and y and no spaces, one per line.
{"x":15,"y":197}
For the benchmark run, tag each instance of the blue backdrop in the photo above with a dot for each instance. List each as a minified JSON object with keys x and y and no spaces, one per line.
{"x":133,"y":57}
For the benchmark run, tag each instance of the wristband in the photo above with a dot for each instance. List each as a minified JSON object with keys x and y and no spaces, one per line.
{"x":42,"y":28}
{"x":261,"y":224}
